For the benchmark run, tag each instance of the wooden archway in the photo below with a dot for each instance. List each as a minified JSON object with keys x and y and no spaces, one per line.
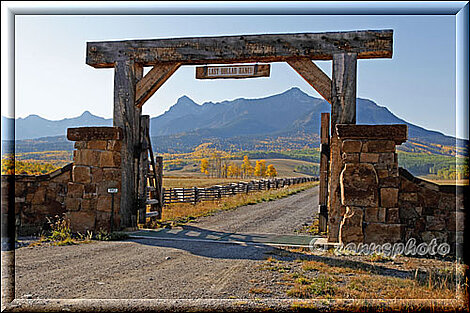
{"x":132,"y":89}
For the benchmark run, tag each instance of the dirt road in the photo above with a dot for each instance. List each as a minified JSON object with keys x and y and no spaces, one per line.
{"x":152,"y":269}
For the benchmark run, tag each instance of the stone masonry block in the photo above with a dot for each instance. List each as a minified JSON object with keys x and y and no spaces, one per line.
{"x":359,"y":185}
{"x":390,"y":181}
{"x":110,"y":159}
{"x":374,"y":215}
{"x":97,"y":144}
{"x":112,"y":174}
{"x":393,"y":216}
{"x":81,"y":221}
{"x":89,"y":204}
{"x":379,"y":146}
{"x":39,"y":196}
{"x":352,"y":146}
{"x":397,"y":132}
{"x":351,"y":226}
{"x":73,"y":204}
{"x":369,"y":157}
{"x":380,"y":233}
{"x":80,"y":145}
{"x":408,"y":196}
{"x":389,"y":197}
{"x":350,"y":157}
{"x":86,"y":157}
{"x":94,"y":133}
{"x":104,"y":203}
{"x":96,"y":174}
{"x":81,"y":174}
{"x":75,"y":190}
{"x":114,"y":145}
{"x":382,"y":173}
{"x":386,"y":158}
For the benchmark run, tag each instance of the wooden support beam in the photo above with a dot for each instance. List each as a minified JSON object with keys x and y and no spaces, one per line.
{"x":159,"y":185}
{"x":127,"y":116}
{"x":366,"y":44}
{"x":313,"y":75}
{"x":324,"y":161}
{"x":143,"y":168}
{"x":154,"y":79}
{"x":343,"y":111}
{"x":343,"y":106}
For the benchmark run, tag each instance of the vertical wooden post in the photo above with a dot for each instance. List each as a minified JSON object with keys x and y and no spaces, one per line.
{"x":324,"y":160}
{"x":159,"y":186}
{"x":143,"y":168}
{"x":343,"y":111}
{"x":196,"y":196}
{"x":127,"y":116}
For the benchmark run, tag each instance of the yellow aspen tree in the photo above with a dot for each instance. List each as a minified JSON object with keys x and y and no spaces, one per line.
{"x":205,"y":166}
{"x":271,"y":171}
{"x":247,"y":168}
{"x":260,"y":168}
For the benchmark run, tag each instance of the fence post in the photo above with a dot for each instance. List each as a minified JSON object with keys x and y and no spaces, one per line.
{"x":163,"y":196}
{"x":196,"y":196}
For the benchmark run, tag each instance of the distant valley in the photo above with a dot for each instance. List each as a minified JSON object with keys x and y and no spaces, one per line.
{"x":289,"y":120}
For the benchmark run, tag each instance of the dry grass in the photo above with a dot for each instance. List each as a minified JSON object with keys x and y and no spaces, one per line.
{"x":331,"y":278}
{"x":382,"y":287}
{"x":185,"y":211}
{"x":257,"y":290}
{"x":434,"y":179}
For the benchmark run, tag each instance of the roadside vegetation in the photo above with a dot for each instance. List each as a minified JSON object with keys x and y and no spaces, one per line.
{"x":305,"y":275}
{"x":60,"y":234}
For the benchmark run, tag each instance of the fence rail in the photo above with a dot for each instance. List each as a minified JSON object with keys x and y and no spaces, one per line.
{"x":195,"y":194}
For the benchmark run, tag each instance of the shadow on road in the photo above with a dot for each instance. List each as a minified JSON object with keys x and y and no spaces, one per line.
{"x":227,"y":245}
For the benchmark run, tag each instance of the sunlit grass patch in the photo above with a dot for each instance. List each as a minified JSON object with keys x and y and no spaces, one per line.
{"x":257,"y":290}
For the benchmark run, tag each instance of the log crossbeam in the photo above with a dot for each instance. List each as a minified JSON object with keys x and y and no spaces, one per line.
{"x":366,"y":44}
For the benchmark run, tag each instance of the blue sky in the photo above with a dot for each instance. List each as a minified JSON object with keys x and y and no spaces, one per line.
{"x":53,"y":81}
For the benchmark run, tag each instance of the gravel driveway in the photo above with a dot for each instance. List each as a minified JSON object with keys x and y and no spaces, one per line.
{"x":162,"y":269}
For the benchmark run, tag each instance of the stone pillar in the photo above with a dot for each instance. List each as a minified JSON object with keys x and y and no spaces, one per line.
{"x":96,"y":167}
{"x":369,"y":183}
{"x":343,"y":111}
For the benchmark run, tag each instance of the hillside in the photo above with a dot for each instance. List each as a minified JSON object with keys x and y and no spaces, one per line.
{"x":289,"y":120}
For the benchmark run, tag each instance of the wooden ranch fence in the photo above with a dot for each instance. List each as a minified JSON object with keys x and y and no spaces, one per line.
{"x":195,"y":194}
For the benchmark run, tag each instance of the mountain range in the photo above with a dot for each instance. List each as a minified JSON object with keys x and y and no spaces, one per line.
{"x":240,"y":124}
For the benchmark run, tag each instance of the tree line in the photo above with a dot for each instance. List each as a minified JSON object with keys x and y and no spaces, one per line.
{"x":219,"y":167}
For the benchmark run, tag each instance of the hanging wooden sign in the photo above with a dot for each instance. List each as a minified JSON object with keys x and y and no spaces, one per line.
{"x":233,"y":71}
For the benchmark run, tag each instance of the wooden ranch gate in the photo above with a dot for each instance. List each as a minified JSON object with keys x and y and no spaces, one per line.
{"x":132,"y":89}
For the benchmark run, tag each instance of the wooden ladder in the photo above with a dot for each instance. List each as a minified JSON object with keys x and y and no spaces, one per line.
{"x":154,"y":186}
{"x":152,"y":183}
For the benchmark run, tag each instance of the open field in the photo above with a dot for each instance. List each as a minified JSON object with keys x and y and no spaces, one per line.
{"x":198,"y":181}
{"x":284,"y":167}
{"x":437,"y":180}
